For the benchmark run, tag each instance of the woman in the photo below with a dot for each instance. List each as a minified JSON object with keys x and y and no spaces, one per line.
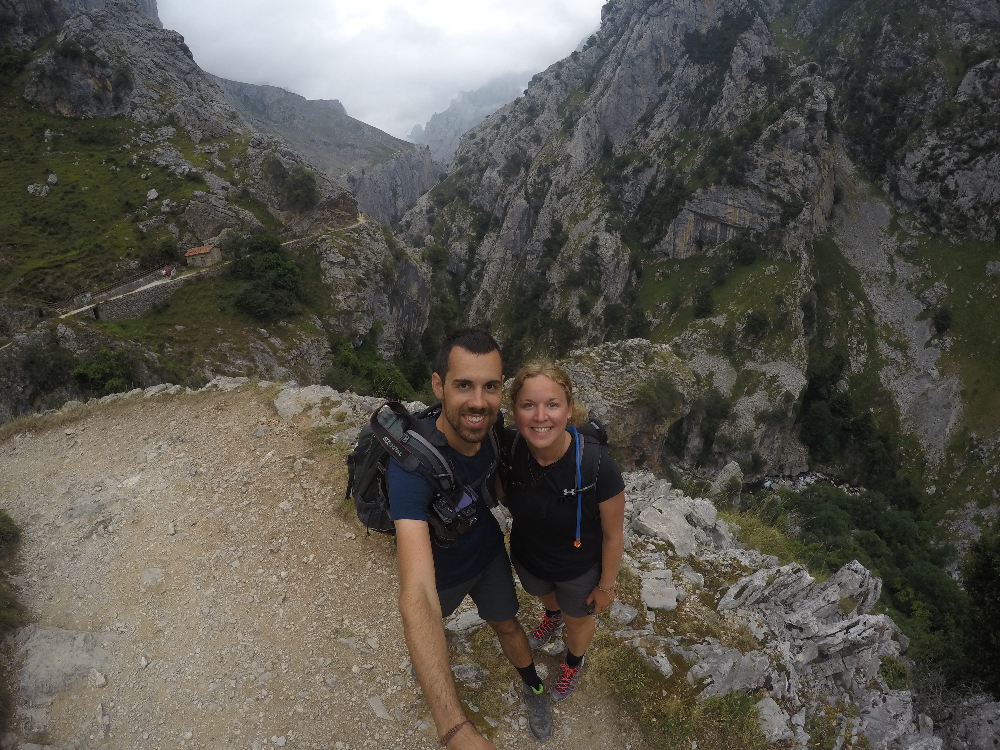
{"x":566,"y":541}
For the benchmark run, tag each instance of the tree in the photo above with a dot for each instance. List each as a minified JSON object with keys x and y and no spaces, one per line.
{"x":702,"y":302}
{"x":275,"y":282}
{"x":981,"y":579}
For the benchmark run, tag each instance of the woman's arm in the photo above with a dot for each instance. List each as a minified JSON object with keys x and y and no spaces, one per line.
{"x":613,"y":528}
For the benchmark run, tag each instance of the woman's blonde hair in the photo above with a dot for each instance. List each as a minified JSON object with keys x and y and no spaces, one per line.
{"x":554,"y":373}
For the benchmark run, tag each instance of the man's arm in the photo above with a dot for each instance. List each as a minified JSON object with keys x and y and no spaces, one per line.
{"x":424,"y":632}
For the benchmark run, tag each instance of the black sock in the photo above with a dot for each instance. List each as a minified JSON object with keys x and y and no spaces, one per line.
{"x":530,"y":676}
{"x":572,"y":661}
{"x":553,"y":612}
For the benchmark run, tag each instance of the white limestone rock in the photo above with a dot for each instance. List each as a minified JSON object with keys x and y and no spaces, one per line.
{"x":658,"y":591}
{"x":773,"y":721}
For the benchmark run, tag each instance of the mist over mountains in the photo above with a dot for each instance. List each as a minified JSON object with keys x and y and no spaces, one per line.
{"x":444,"y":130}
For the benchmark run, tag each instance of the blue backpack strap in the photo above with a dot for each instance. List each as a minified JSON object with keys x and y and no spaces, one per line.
{"x":578,"y":490}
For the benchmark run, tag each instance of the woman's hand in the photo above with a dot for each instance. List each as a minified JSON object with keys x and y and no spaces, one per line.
{"x":600,"y":598}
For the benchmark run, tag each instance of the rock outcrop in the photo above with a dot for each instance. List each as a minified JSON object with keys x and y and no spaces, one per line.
{"x":635,"y":388}
{"x":208,"y":215}
{"x":116,"y":61}
{"x":371,"y":284}
{"x":814,"y":643}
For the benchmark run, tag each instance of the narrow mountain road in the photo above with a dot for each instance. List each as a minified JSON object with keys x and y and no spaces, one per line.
{"x":193,"y":580}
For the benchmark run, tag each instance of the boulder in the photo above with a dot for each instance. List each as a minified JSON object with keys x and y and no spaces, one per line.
{"x":977,"y":726}
{"x":622,"y":613}
{"x":52,"y":661}
{"x":666,"y":521}
{"x":886,"y":717}
{"x":773,"y":721}
{"x":658,"y":591}
{"x":772,"y":585}
{"x":725,"y":669}
{"x":721,"y":486}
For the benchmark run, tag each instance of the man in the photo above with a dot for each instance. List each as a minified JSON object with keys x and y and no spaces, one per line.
{"x":434,"y":579}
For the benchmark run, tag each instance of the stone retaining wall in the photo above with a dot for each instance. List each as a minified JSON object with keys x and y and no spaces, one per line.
{"x":136,"y":304}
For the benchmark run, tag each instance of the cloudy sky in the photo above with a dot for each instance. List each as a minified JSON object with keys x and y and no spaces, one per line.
{"x":392,"y":63}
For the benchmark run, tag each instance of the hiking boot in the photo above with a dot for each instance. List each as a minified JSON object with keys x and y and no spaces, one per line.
{"x":539,"y":712}
{"x":566,"y":684}
{"x":545,"y":630}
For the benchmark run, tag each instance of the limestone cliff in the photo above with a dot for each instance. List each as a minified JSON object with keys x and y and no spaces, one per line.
{"x":626,"y":191}
{"x":386,"y":190}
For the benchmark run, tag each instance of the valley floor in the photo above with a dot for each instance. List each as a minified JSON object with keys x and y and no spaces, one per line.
{"x":192,"y":580}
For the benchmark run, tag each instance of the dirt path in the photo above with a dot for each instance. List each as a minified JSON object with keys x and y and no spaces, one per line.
{"x":193,"y":581}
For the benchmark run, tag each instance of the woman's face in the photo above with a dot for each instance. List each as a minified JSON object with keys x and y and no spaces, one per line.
{"x":542,"y":411}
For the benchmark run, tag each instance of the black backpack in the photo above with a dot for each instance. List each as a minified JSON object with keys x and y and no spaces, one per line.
{"x":592,"y":437}
{"x":393,"y":433}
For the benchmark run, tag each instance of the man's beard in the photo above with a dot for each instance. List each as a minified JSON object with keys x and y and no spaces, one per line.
{"x":468,"y":434}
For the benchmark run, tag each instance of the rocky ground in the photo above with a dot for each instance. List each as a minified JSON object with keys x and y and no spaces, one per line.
{"x":193,"y":581}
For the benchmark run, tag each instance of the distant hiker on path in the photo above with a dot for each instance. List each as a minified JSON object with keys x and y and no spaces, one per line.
{"x":567,"y":498}
{"x":438,"y":567}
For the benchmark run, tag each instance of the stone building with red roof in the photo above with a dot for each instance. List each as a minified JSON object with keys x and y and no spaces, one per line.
{"x":203,"y":257}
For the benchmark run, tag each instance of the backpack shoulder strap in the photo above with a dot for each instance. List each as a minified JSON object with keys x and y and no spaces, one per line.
{"x":401,"y":437}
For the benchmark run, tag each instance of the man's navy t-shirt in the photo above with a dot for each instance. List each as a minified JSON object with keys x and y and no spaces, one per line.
{"x":410,"y":495}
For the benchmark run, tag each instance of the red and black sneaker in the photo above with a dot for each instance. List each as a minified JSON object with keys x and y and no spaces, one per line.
{"x":566,"y":683}
{"x":545,"y":630}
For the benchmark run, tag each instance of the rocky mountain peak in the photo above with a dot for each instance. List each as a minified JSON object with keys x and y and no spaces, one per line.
{"x":147,"y":7}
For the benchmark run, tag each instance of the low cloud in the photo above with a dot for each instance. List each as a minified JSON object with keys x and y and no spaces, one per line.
{"x":391,"y":63}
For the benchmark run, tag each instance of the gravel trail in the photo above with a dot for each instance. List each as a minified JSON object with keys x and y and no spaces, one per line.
{"x":193,"y":581}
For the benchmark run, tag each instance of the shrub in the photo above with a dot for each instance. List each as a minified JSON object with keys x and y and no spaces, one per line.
{"x":12,"y":62}
{"x":756,"y":325}
{"x":745,"y":251}
{"x":362,"y":371}
{"x":300,"y":189}
{"x":894,"y":672}
{"x":942,"y":320}
{"x":297,"y":186}
{"x":47,"y":368}
{"x":719,"y":273}
{"x":109,"y":372}
{"x":659,"y":397}
{"x":702,"y":302}
{"x":275,"y":282}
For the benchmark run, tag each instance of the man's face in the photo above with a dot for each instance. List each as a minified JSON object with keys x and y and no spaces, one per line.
{"x":470,"y":397}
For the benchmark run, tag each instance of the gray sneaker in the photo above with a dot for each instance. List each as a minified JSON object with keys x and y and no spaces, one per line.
{"x":539,"y":712}
{"x":545,"y":630}
{"x":566,"y":683}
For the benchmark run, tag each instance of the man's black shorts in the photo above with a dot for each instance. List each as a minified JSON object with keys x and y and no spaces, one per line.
{"x":492,"y":591}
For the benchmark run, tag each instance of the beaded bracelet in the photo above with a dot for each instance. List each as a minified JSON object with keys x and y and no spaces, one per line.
{"x":610,"y":592}
{"x":452,"y":732}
